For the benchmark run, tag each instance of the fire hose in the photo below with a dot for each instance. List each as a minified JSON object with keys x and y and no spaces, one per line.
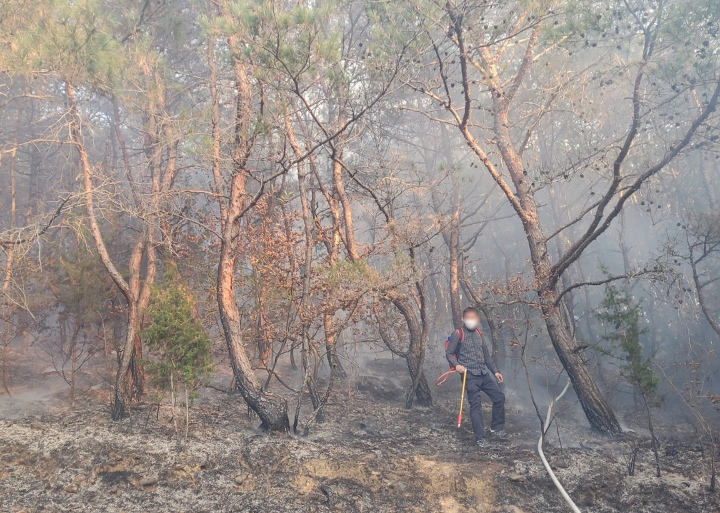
{"x":442,"y":378}
{"x":545,"y":426}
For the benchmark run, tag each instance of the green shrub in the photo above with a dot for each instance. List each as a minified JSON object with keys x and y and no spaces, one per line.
{"x":179,"y":346}
{"x":623,"y":317}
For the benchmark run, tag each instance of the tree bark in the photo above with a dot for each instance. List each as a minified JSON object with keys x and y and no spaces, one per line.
{"x":415,"y":356}
{"x":121,"y":397}
{"x":596,"y":407}
{"x":333,"y":249}
{"x":451,"y":236}
{"x":350,"y":243}
{"x":333,"y":359}
{"x":454,"y":262}
{"x":305,"y":300}
{"x":271,"y":410}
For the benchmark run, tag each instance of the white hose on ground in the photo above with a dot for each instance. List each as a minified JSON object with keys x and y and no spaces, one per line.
{"x":545,"y":427}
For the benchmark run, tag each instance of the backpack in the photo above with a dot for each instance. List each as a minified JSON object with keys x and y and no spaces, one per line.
{"x":461,"y":337}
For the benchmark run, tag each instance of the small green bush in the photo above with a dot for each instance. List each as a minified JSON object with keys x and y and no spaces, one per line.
{"x":623,"y":317}
{"x":177,"y":341}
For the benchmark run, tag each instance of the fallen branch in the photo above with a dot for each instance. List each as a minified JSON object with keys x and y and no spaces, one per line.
{"x":219,"y":389}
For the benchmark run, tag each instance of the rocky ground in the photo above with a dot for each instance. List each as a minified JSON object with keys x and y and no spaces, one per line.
{"x":371,"y":455}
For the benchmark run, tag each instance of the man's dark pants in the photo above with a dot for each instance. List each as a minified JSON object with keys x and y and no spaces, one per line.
{"x":485,"y":383}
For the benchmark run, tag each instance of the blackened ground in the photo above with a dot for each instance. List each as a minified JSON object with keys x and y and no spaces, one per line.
{"x":371,"y":455}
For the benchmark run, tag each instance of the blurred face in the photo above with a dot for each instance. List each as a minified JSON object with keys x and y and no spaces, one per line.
{"x":471,"y":320}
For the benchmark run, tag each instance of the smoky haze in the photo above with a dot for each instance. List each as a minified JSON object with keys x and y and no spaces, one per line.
{"x":292,"y":201}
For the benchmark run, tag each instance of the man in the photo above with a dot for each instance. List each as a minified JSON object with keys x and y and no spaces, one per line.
{"x":471,"y":356}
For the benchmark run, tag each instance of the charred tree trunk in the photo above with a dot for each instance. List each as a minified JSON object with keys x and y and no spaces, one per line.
{"x":597,"y":409}
{"x":415,"y":356}
{"x":336,"y":205}
{"x":125,"y":392}
{"x":333,"y":246}
{"x":333,"y":242}
{"x":271,"y":410}
{"x":333,"y":360}
{"x":121,"y":397}
{"x":304,"y":304}
{"x":333,"y":254}
{"x":454,"y":263}
{"x":136,"y":381}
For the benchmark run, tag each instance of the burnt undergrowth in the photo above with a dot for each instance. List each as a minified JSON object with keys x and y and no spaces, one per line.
{"x":371,"y":454}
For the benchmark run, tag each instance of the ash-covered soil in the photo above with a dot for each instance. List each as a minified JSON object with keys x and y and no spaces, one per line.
{"x":370,"y":455}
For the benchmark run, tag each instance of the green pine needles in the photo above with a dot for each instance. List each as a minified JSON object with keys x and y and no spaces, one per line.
{"x":179,"y":346}
{"x":179,"y":341}
{"x":622,"y":316}
{"x":624,"y":333}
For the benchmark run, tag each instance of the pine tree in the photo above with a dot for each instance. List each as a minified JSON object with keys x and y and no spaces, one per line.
{"x":179,"y":344}
{"x":623,"y":316}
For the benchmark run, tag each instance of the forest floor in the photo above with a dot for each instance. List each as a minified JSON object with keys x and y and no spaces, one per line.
{"x":370,"y":455}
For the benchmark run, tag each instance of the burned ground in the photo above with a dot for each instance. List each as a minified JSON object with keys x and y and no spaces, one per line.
{"x":371,"y":455}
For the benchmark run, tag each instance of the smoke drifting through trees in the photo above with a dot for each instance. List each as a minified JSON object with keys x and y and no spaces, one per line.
{"x":346,"y":174}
